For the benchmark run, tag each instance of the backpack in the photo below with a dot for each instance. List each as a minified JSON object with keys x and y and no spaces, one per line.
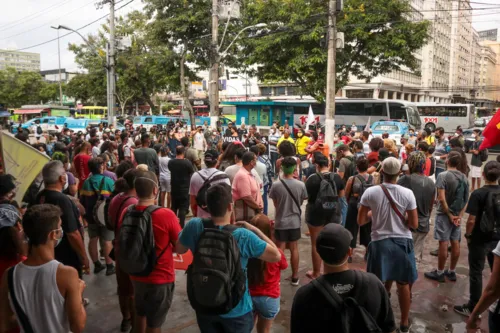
{"x":490,"y":220}
{"x":460,"y":197}
{"x":107,"y":221}
{"x":365,"y":184}
{"x":201,"y":197}
{"x":137,"y":255}
{"x":483,"y":155}
{"x":216,"y":282}
{"x":327,"y":201}
{"x":98,"y":212}
{"x":354,"y":317}
{"x":351,"y":169}
{"x":39,"y":130}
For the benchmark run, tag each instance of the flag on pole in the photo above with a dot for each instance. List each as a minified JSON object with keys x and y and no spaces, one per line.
{"x":21,"y":161}
{"x":491,"y":133}
{"x":367,"y":127}
{"x":310,"y":117}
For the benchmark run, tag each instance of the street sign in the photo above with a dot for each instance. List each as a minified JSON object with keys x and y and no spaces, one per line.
{"x":340,"y":40}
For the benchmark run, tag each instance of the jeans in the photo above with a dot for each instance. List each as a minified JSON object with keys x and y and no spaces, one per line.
{"x":180,"y":206}
{"x":343,"y":206}
{"x":265,"y":198}
{"x":217,"y":324}
{"x":437,"y":172}
{"x":477,"y":253}
{"x":274,"y":158}
{"x":494,"y":322}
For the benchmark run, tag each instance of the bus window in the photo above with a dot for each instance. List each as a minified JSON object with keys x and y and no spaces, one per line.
{"x":148,"y":120}
{"x":397,"y":111}
{"x":99,"y":111}
{"x":360,"y":109}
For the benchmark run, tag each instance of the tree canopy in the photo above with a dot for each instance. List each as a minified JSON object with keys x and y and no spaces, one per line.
{"x":21,"y":88}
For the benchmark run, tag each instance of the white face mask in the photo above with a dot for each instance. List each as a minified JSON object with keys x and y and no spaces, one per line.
{"x":473,"y":135}
{"x":65,"y":182}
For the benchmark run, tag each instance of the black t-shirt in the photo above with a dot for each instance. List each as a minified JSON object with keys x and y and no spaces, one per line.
{"x":313,"y":184}
{"x":181,"y":171}
{"x":69,"y":222}
{"x":476,"y":207}
{"x":311,"y":312}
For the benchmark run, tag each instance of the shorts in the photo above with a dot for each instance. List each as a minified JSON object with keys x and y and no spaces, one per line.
{"x":153,"y":301}
{"x":444,"y":230}
{"x":165,"y":185}
{"x":316,"y":220}
{"x":392,"y":259}
{"x":266,"y":307}
{"x":475,"y":172}
{"x":102,"y":232}
{"x":287,"y":235}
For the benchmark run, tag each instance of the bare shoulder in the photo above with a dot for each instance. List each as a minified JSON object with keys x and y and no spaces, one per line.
{"x":65,"y":274}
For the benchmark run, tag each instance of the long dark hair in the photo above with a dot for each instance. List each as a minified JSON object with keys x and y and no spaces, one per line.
{"x":462,"y":167}
{"x":256,"y":268}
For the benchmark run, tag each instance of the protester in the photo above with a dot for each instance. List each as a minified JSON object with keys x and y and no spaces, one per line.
{"x":182,"y":169}
{"x":267,"y":181}
{"x":109,"y":149}
{"x":273,"y":149}
{"x":97,"y":186}
{"x":81,"y":163}
{"x":287,"y":195}
{"x":203,"y":179}
{"x":191,"y":154}
{"x":199,"y":142}
{"x":165,"y":177}
{"x":246,"y":191}
{"x":355,"y":187}
{"x":480,"y":243}
{"x":316,"y":218}
{"x":313,"y":312}
{"x":226,"y":159}
{"x":453,"y":193}
{"x":44,"y":294}
{"x":285,"y":137}
{"x":106,"y":172}
{"x":476,"y":160}
{"x":146,"y":155}
{"x":124,"y":150}
{"x":287,"y":149}
{"x":390,"y":253}
{"x":441,"y":150}
{"x":253,"y":137}
{"x":153,"y":293}
{"x":251,"y":243}
{"x":261,"y":170}
{"x":71,"y":249}
{"x":375,"y":145}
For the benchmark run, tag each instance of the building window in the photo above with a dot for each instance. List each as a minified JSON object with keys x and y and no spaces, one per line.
{"x":279,"y":91}
{"x":266,"y":91}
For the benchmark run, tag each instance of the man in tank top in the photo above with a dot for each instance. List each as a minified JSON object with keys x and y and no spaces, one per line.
{"x":41,"y":293}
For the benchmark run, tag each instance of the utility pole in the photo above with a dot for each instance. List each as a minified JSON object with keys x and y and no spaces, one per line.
{"x":330,"y":75}
{"x":111,"y":64}
{"x":59,"y":56}
{"x":214,"y":69}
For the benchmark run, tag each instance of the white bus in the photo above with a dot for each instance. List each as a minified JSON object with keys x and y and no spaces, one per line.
{"x":448,"y":116}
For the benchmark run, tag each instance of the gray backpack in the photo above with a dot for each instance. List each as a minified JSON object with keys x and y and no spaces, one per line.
{"x":137,"y":255}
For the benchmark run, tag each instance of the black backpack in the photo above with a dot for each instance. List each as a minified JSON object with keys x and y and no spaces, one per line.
{"x":137,"y":255}
{"x":354,"y":317}
{"x":351,"y":169}
{"x":460,"y":198}
{"x":365,"y":184}
{"x":39,"y":130}
{"x":483,"y":155}
{"x":490,"y":220}
{"x":216,"y":281}
{"x":327,"y":200}
{"x":201,"y":197}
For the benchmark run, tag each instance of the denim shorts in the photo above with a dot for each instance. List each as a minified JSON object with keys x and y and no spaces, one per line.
{"x":444,"y":230}
{"x":266,"y":307}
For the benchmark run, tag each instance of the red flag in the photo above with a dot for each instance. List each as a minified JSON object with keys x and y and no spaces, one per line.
{"x":491,"y":133}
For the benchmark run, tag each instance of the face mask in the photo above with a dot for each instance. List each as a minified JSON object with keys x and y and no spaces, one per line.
{"x":473,"y":135}
{"x":60,"y":238}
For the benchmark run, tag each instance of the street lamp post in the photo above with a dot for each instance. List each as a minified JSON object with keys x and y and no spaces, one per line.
{"x":59,"y":56}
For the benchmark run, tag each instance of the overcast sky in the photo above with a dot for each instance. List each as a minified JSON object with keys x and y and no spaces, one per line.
{"x":27,"y":22}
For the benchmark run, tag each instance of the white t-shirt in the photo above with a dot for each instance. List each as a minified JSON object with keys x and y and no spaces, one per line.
{"x":164,"y":170}
{"x":232,"y":170}
{"x":198,"y":141}
{"x":366,"y":147}
{"x":197,"y":182}
{"x":385,"y":222}
{"x":262,"y":172}
{"x":96,"y":151}
{"x":496,"y":252}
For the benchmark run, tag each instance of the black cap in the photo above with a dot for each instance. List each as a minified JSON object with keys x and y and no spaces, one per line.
{"x":211,"y":155}
{"x":333,"y":243}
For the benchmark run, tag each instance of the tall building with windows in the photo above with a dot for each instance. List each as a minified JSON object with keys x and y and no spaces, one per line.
{"x":21,"y":61}
{"x":494,"y":72}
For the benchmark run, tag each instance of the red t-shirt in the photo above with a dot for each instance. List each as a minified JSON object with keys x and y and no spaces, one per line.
{"x":81,"y":163}
{"x":427,"y":169}
{"x":166,"y":229}
{"x":121,"y":200}
{"x":272,"y":277}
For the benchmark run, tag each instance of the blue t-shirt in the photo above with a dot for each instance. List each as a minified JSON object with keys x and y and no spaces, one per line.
{"x":250,"y":245}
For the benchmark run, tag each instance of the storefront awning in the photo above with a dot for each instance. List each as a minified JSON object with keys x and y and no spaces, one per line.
{"x":4,"y":114}
{"x":28,"y":111}
{"x":200,"y":106}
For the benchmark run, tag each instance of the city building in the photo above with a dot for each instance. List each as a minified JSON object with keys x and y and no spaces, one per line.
{"x":491,"y":35}
{"x":21,"y":61}
{"x":494,"y":89}
{"x":52,"y":75}
{"x":485,"y":93}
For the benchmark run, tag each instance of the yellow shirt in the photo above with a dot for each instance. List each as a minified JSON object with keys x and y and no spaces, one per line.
{"x":301,"y":144}
{"x":283,"y":139}
{"x":429,"y":140}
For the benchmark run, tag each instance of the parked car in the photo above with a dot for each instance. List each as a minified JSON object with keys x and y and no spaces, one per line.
{"x":395,"y":129}
{"x":48,"y":124}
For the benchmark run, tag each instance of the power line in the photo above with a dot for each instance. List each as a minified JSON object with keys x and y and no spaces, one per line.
{"x":71,"y":32}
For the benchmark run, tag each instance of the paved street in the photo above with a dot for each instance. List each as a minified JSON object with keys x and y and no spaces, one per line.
{"x":426,"y":315}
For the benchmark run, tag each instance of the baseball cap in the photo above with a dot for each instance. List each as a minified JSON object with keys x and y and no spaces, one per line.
{"x":211,"y":155}
{"x":9,"y":215}
{"x":391,"y":166}
{"x":333,"y":243}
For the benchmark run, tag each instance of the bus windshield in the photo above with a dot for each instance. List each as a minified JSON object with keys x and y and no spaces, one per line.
{"x":386,"y":128}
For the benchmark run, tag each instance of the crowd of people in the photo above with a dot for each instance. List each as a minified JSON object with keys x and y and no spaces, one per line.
{"x":134,"y":190}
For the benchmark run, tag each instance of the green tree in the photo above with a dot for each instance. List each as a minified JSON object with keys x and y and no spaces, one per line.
{"x":380,"y":36}
{"x":20,"y":88}
{"x":50,"y":92}
{"x":87,"y":88}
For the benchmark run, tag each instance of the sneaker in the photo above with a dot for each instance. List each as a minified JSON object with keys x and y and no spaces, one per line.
{"x":434,"y":253}
{"x":403,"y":329}
{"x":464,"y":310}
{"x":99,"y":267}
{"x":434,"y":275}
{"x":126,"y":325}
{"x":110,"y":270}
{"x":452,"y":276}
{"x":294,"y":281}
